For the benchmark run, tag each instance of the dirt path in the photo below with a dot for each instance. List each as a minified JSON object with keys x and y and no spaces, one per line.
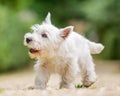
{"x":108,"y":83}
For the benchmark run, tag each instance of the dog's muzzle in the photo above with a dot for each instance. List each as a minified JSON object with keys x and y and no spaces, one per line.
{"x":31,"y":50}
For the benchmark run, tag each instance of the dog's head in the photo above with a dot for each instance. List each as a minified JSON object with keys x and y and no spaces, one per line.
{"x":45,"y":38}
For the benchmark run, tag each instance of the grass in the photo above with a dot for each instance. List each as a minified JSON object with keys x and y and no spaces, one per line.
{"x":79,"y":86}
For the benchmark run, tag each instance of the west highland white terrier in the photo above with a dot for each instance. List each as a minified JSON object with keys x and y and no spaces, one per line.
{"x":61,"y":51}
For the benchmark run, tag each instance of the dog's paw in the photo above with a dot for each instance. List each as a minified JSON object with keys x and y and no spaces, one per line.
{"x":88,"y":83}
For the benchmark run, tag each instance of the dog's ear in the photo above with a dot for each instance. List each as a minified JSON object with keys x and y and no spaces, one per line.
{"x":48,"y":19}
{"x":66,"y":31}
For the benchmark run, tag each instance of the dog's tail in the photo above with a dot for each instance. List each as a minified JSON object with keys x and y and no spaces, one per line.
{"x":95,"y":48}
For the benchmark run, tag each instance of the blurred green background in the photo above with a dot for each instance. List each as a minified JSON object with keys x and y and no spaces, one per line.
{"x":99,"y":20}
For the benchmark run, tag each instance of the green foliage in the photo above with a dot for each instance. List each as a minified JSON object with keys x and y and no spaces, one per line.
{"x":95,"y":10}
{"x":16,"y":5}
{"x":13,"y":54}
{"x":79,"y":86}
{"x":62,"y":11}
{"x":104,"y":18}
{"x":112,"y":43}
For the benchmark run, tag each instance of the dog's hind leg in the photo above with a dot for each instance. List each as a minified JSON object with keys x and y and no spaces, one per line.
{"x":88,"y":72}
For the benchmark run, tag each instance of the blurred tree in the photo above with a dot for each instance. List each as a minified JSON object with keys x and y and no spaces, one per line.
{"x":62,"y":11}
{"x":104,"y":18}
{"x":13,"y":25}
{"x":16,"y":5}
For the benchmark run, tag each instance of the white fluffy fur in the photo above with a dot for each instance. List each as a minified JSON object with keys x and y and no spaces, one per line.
{"x":64,"y":52}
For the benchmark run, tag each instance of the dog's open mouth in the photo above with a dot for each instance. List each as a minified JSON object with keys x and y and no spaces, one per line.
{"x":33,"y":50}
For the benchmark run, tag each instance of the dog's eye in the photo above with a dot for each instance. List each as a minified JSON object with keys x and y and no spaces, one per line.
{"x":44,"y":35}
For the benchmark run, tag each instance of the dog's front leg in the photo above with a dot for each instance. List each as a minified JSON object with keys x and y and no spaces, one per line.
{"x":41,"y":77}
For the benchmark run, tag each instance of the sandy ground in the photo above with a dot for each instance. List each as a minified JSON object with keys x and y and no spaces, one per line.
{"x":108,"y":83}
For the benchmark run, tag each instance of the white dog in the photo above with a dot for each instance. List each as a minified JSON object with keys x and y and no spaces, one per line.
{"x":61,"y":51}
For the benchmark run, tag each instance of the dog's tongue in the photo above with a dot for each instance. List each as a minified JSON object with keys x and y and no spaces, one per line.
{"x":33,"y":50}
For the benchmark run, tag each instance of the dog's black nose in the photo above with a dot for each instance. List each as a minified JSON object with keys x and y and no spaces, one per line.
{"x":28,"y":40}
